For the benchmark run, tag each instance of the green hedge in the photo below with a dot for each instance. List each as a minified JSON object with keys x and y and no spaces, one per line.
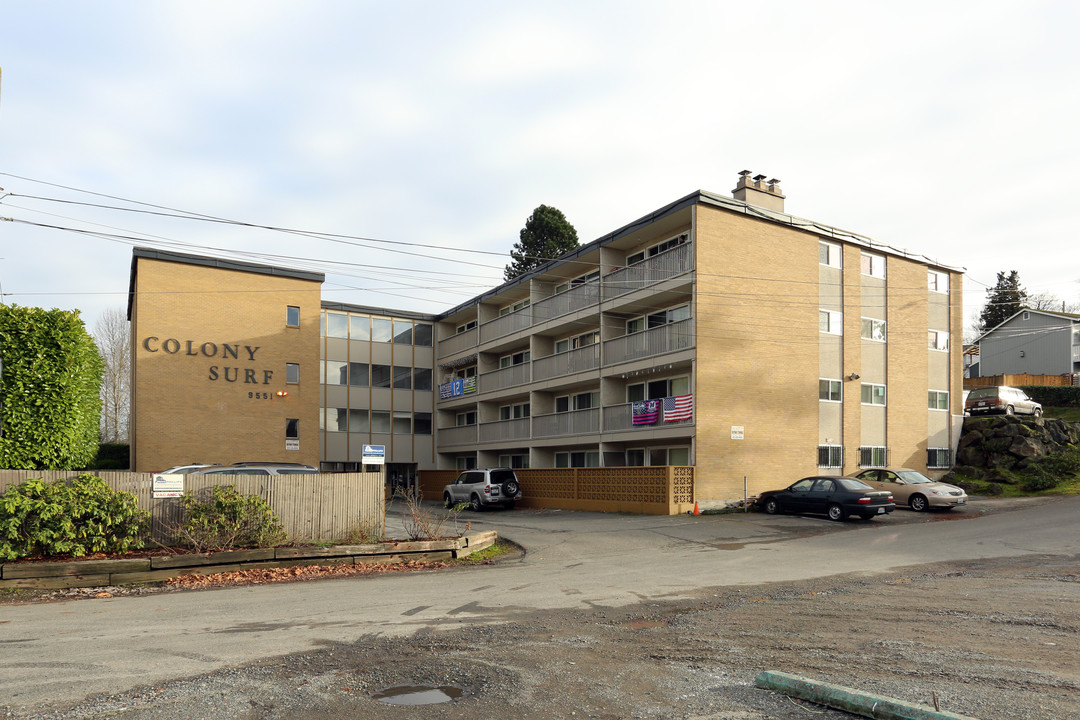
{"x":1054,"y":395}
{"x":49,"y":390}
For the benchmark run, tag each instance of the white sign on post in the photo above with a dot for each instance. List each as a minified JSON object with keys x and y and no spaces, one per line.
{"x":736,"y":432}
{"x":374,"y":455}
{"x":168,"y":486}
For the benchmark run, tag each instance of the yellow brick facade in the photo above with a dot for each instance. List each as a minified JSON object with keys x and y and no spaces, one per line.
{"x":209,"y":352}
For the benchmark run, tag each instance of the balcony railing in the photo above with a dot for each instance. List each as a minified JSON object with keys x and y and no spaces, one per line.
{"x":656,"y":341}
{"x":517,"y":429}
{"x":621,"y":417}
{"x":656,"y":269}
{"x":505,"y":377}
{"x":576,"y":422}
{"x":576,"y":298}
{"x":456,"y":343}
{"x":567,"y":363}
{"x":506,"y":324}
{"x":461,"y":435}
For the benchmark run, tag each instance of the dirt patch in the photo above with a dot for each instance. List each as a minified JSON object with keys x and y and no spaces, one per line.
{"x":995,"y":640}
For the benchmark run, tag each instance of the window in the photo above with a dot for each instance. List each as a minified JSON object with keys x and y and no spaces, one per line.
{"x":337,"y":373}
{"x":402,"y":332}
{"x":421,"y":378}
{"x":873,"y":394}
{"x":467,"y":462}
{"x":465,"y":328}
{"x":667,"y":245}
{"x":514,"y":307}
{"x":678,"y":456}
{"x":403,"y":377}
{"x":937,"y":457}
{"x":292,"y":428}
{"x":665,"y":317}
{"x":358,"y":374}
{"x":402,"y":423}
{"x":382,"y":330}
{"x":829,"y":254}
{"x":938,"y":282}
{"x":359,"y":422}
{"x":292,"y":316}
{"x":831,"y":322}
{"x":635,"y":326}
{"x":633,"y":260}
{"x":584,"y":401}
{"x":939,"y":400}
{"x":517,"y":358}
{"x":335,"y":420}
{"x":577,"y":341}
{"x":465,"y":418}
{"x":872,"y":456}
{"x":657,"y":389}
{"x":422,"y":423}
{"x":830,"y":390}
{"x":514,"y":412}
{"x":519,"y":461}
{"x":380,"y":421}
{"x":422,"y":335}
{"x":589,"y":458}
{"x":380,"y":376}
{"x":873,"y":329}
{"x":292,"y":373}
{"x":938,"y":340}
{"x":830,"y":456}
{"x":337,"y":325}
{"x":635,"y":457}
{"x":873,"y":265}
{"x":359,"y":327}
{"x":562,"y":404}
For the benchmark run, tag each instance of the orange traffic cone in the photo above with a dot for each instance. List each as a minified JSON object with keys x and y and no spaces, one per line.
{"x":696,"y":511}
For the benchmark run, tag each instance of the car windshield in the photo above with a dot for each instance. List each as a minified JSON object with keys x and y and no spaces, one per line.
{"x":913,"y":477}
{"x":981,"y":393}
{"x":853,"y":484}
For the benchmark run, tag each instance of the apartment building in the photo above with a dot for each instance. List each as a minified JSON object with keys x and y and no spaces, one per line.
{"x":716,"y":331}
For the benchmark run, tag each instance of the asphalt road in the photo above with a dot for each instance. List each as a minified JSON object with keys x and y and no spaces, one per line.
{"x":57,"y":653}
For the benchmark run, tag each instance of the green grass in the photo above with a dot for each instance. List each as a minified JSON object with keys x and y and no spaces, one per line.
{"x":488,"y":554}
{"x":1070,"y":414}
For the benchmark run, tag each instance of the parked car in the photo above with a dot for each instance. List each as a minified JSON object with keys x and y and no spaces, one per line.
{"x":836,"y":497}
{"x":912,"y":488}
{"x":185,"y":469}
{"x":1001,"y":400}
{"x":260,"y":469}
{"x":483,"y":487}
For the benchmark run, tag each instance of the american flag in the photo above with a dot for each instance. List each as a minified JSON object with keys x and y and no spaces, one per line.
{"x":678,"y":408}
{"x":646,"y":412}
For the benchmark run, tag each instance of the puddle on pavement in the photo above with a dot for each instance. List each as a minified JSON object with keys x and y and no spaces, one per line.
{"x":417,"y":694}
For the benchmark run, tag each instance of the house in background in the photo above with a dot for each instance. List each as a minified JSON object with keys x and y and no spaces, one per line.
{"x":1036,"y":342}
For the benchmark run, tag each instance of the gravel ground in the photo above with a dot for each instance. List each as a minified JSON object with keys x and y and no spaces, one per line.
{"x":995,"y":640}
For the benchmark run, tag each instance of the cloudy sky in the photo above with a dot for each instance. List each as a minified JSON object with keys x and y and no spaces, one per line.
{"x":423,"y":133}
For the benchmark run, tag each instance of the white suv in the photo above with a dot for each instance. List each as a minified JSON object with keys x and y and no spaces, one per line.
{"x":483,"y":487}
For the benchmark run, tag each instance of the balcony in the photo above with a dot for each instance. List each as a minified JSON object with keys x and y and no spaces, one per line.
{"x":502,"y":430}
{"x":576,"y":298}
{"x":567,"y":363}
{"x":655,"y":270}
{"x":507,"y":324}
{"x":655,"y":341}
{"x":576,"y":422}
{"x":621,"y":417}
{"x":461,"y":435}
{"x":456,"y":343}
{"x":505,"y":378}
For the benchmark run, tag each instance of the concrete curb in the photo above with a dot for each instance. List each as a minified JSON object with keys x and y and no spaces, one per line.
{"x":854,"y":701}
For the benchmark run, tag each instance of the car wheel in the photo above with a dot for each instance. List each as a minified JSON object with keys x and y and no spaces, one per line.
{"x":510,"y":488}
{"x":837,"y":513}
{"x":1037,"y":412}
{"x":1009,"y":410}
{"x":918,"y":503}
{"x":446,"y":501}
{"x":772,"y":507}
{"x":474,"y":503}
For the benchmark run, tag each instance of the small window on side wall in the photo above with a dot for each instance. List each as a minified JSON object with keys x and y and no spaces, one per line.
{"x":292,"y":316}
{"x":292,"y":428}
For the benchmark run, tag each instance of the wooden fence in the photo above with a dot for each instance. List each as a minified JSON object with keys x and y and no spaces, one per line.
{"x":1020,"y":379}
{"x":653,"y":490}
{"x":311,"y":507}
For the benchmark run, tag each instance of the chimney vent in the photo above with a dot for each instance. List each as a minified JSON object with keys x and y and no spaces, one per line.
{"x":758,"y":192}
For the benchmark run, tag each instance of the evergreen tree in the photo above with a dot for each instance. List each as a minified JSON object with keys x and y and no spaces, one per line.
{"x":1003,"y":301}
{"x":547,"y":234}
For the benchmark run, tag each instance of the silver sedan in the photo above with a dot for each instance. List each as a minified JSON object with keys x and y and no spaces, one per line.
{"x":912,"y":488}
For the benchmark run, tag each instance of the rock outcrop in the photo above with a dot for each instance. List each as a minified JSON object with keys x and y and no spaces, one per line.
{"x":1007,"y":442}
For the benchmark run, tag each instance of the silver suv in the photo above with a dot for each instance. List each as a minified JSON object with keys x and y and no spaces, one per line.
{"x":483,"y":487}
{"x":1001,"y":400}
{"x":260,"y":468}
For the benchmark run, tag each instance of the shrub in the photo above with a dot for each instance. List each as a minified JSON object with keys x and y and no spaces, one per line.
{"x":113,"y":456}
{"x":226,"y":520}
{"x":1054,"y":395}
{"x":73,"y":518}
